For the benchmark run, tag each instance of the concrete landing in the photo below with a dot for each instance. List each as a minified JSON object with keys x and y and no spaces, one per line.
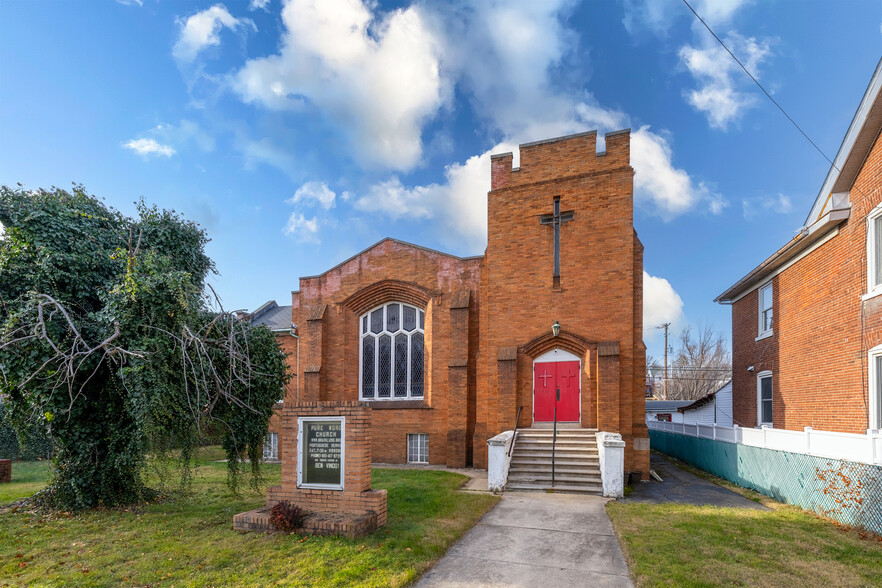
{"x":536,"y":539}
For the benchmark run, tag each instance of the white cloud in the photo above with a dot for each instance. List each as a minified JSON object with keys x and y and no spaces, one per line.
{"x":258,"y":4}
{"x":130,"y":2}
{"x":722,"y":93}
{"x":503,"y":55}
{"x":147,"y":147}
{"x":661,"y":304}
{"x":459,"y":204}
{"x":779,"y":204}
{"x":380,"y":78}
{"x":302,"y":229}
{"x":315,"y":191}
{"x":377,"y":78}
{"x":162,"y":139}
{"x":717,"y":95}
{"x":202,"y":30}
{"x":665,"y":189}
{"x":657,"y":16}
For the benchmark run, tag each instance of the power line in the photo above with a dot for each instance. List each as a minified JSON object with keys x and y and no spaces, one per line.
{"x":755,"y":81}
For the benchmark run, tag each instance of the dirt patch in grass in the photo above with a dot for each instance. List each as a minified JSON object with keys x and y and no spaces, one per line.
{"x":188,"y":540}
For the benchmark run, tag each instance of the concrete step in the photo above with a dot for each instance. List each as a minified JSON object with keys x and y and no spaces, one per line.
{"x":535,"y":443}
{"x":564,"y":433}
{"x":596,"y":489}
{"x":566,"y":452}
{"x":518,"y":462}
{"x":560,"y":439}
{"x":581,"y":478}
{"x":560,"y":468}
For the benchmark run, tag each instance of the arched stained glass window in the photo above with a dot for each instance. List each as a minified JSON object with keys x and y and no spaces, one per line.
{"x":391,"y":352}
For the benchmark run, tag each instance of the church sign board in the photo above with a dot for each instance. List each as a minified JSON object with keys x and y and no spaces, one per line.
{"x":320,"y":459}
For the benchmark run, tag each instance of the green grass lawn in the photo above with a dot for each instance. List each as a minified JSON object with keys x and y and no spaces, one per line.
{"x":27,"y":478}
{"x":190,"y":541}
{"x":683,"y":545}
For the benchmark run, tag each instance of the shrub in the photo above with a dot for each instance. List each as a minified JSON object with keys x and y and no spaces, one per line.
{"x":287,"y":517}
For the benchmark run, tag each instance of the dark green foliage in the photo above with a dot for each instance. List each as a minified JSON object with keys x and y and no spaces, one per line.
{"x":287,"y":517}
{"x":109,"y":341}
{"x":32,"y":444}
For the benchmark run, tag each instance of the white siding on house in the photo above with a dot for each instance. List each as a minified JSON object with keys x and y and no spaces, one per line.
{"x":724,"y":405}
{"x":718,"y":410}
{"x":703,"y":415}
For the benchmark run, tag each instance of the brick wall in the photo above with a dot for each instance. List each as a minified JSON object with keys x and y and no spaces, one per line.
{"x":821,"y":329}
{"x":488,"y":318}
{"x":599,"y":289}
{"x":445,"y":287}
{"x":357,"y":495}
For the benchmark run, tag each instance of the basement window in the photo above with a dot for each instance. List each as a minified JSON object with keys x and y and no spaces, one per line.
{"x":418,"y":448}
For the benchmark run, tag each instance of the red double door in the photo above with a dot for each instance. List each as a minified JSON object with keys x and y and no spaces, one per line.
{"x":548,"y":378}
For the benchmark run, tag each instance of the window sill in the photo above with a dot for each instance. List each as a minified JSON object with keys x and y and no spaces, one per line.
{"x":397,"y":404}
{"x":873,"y":294}
{"x":765,"y":335}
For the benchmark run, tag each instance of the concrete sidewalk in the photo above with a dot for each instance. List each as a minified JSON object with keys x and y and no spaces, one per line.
{"x":536,"y":539}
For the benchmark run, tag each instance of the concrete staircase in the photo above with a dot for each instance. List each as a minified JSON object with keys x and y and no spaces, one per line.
{"x":577,"y":465}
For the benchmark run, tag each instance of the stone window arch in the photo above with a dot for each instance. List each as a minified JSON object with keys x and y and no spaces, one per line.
{"x":391,"y":352}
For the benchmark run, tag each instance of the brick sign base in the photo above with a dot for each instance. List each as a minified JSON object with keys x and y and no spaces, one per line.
{"x":5,"y":470}
{"x":354,"y":511}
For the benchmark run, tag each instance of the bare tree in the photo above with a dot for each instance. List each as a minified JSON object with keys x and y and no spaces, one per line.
{"x":702,"y":364}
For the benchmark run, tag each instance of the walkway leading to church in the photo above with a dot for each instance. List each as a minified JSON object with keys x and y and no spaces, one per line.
{"x":536,"y":539}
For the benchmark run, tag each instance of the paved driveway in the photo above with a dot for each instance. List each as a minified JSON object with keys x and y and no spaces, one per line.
{"x":536,"y":539}
{"x":680,"y":486}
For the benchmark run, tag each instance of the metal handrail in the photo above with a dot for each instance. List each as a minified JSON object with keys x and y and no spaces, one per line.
{"x":554,"y":443}
{"x":514,"y":436}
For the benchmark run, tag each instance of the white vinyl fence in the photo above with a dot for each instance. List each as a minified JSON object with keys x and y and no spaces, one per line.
{"x":865,"y":448}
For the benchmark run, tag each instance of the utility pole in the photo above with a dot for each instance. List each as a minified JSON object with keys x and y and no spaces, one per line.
{"x":665,"y":381}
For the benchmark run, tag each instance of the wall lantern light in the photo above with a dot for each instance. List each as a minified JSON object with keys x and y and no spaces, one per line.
{"x":555,"y":329}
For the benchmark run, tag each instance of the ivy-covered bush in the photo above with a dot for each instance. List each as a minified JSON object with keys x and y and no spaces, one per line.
{"x":110,"y":338}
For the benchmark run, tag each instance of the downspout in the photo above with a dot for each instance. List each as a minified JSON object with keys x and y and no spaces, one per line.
{"x":293,"y":332}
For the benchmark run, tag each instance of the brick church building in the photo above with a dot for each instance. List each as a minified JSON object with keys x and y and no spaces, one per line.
{"x":446,"y":349}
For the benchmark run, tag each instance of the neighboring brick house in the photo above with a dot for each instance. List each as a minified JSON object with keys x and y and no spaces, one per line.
{"x":807,"y":322}
{"x":445,"y":349}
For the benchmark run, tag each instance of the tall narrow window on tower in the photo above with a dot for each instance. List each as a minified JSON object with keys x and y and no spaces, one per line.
{"x":555,"y":219}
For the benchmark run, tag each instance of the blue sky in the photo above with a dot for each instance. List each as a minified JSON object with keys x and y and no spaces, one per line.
{"x":298,"y":133}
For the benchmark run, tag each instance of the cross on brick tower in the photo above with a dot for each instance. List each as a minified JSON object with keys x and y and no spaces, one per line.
{"x":555,"y":219}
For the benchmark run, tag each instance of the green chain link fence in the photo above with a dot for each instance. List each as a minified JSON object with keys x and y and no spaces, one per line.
{"x":28,"y":445}
{"x":848,"y":491}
